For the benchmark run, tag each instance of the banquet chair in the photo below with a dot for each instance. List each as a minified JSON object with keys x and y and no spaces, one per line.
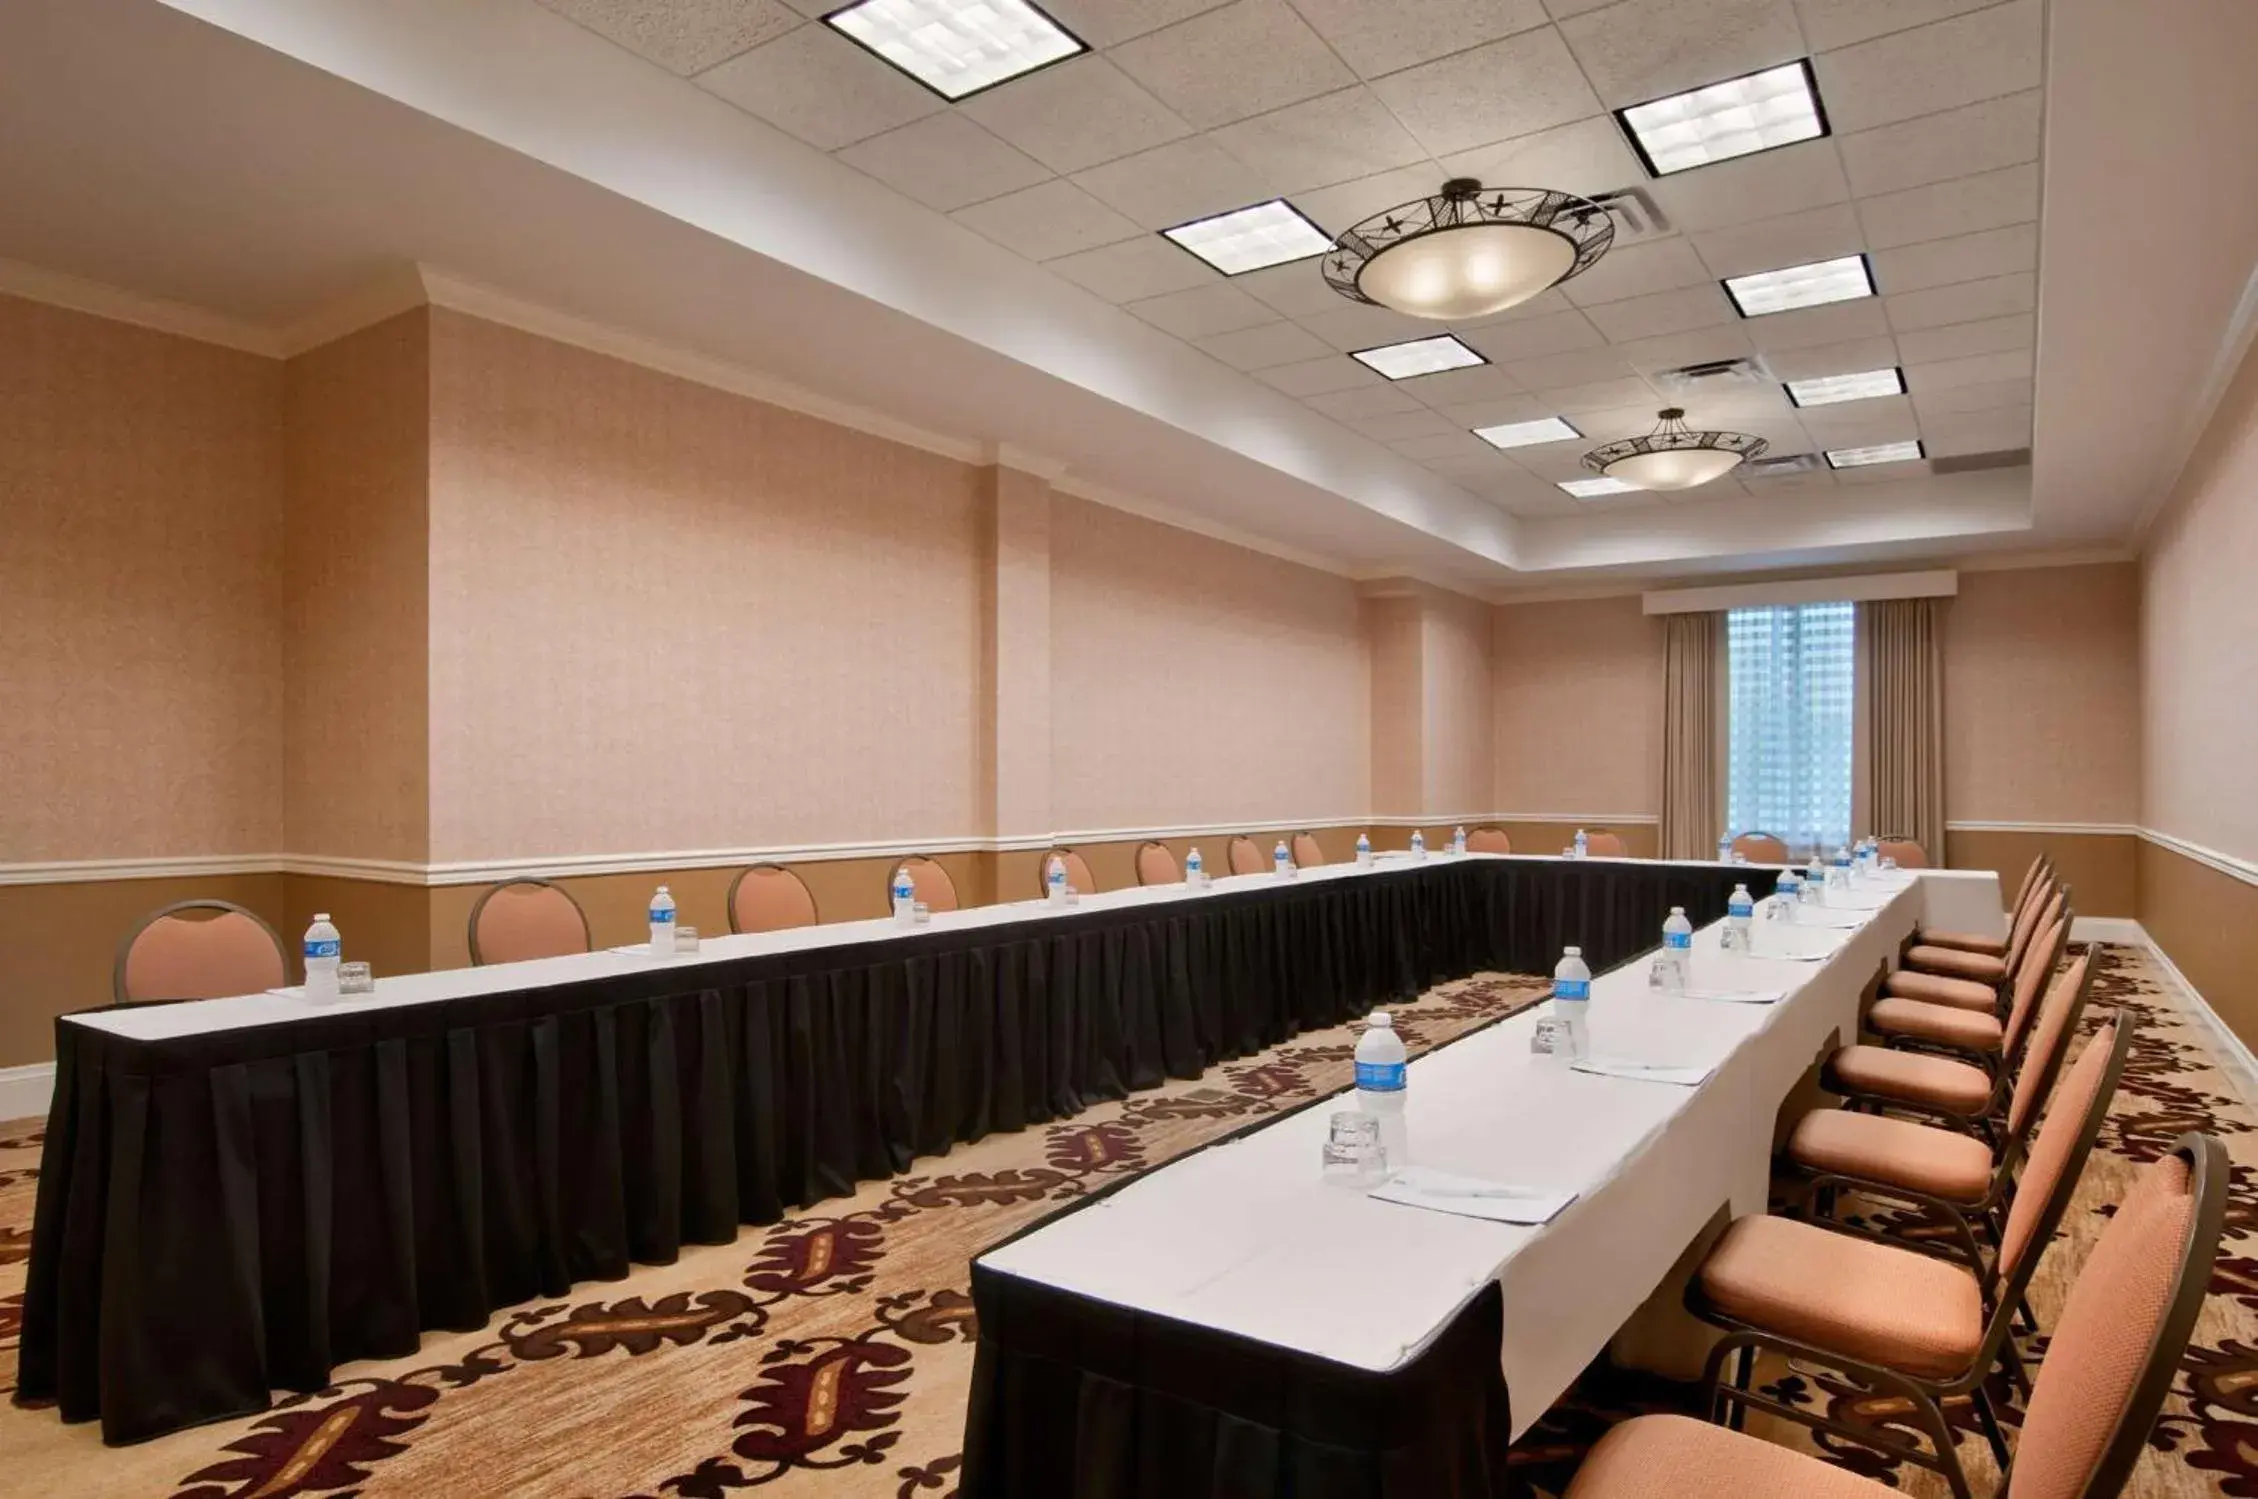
{"x":1983,"y":1037}
{"x":1156,"y":864}
{"x":1975,"y":981}
{"x":1488,"y":839}
{"x":198,"y":949}
{"x":1761,"y":848}
{"x":1307,"y":852}
{"x":1987,"y":963}
{"x":1909,"y":1327}
{"x":1244,"y":856}
{"x":1602,"y":844}
{"x":2124,"y":1328}
{"x":2041,"y":871}
{"x":1078,"y":875}
{"x":521,"y":919}
{"x":934,"y":887}
{"x":769,"y":898}
{"x":1908,"y":853}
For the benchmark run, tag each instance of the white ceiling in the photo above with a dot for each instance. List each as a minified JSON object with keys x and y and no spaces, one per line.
{"x":732,"y":179}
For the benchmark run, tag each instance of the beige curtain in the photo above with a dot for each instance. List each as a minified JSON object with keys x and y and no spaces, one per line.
{"x":1693,"y":734}
{"x":1899,"y":759}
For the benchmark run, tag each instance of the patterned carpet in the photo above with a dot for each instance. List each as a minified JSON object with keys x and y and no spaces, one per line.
{"x":829,"y":1354}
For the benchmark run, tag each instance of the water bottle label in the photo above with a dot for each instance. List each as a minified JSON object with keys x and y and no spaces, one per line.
{"x":323,"y":949}
{"x":1677,"y":940}
{"x":1571,"y":988}
{"x":1740,"y":908}
{"x":1380,"y":1077}
{"x":661,"y":916}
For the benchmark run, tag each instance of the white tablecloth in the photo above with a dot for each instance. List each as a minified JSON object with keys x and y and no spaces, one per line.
{"x":1245,"y":1238}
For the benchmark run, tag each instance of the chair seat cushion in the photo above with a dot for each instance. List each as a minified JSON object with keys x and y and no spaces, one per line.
{"x":1910,"y":1077}
{"x":1961,"y":994}
{"x":1943,"y":1024}
{"x":1895,"y":1152}
{"x":1895,"y":1307}
{"x":1965,"y":941}
{"x":1951,"y":962}
{"x":1677,"y":1457}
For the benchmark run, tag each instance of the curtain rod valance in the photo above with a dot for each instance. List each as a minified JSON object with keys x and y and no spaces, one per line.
{"x":1936,"y":583}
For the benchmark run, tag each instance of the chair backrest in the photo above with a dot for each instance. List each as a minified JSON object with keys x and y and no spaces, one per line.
{"x":769,"y":898}
{"x":1307,"y":852}
{"x":1156,"y":865}
{"x":198,"y":949}
{"x":934,"y":887}
{"x":2050,"y":1042}
{"x":1488,"y":840}
{"x":521,"y":919}
{"x":1244,"y":856}
{"x":1077,"y":872}
{"x":1909,"y":854}
{"x":2050,"y":1173}
{"x":1601,"y":844}
{"x":2040,"y":914}
{"x":2040,"y":868}
{"x":1761,"y":848}
{"x":2123,"y":1330}
{"x":2038,"y":965}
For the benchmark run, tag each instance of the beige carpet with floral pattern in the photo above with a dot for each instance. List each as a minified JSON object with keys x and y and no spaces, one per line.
{"x":830,"y":1354}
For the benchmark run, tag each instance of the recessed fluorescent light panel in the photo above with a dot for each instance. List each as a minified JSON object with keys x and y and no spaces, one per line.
{"x":1249,"y":239}
{"x":1529,"y":434}
{"x":1420,"y":356}
{"x":1830,"y":390}
{"x":1592,"y":489}
{"x":1738,"y":117}
{"x":1815,"y":285}
{"x":957,"y":47}
{"x":1881,"y":452}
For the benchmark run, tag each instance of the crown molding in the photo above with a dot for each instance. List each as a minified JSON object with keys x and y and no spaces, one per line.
{"x":1181,"y":520}
{"x":55,"y":289}
{"x":399,"y":290}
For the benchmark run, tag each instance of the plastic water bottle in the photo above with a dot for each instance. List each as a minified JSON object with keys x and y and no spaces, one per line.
{"x":1418,"y":844}
{"x":1572,"y":1000}
{"x":662,"y":924}
{"x":1785,"y":893}
{"x":1364,"y":851}
{"x":323,"y":950}
{"x":905,"y":896}
{"x":1195,"y":873}
{"x":1458,"y":840}
{"x":1740,"y":911}
{"x":1055,"y":881}
{"x":1815,"y":879}
{"x":1380,"y":1077}
{"x":1677,"y":951}
{"x":1838,"y":877}
{"x":1281,"y":862}
{"x":1724,"y":848}
{"x":1583,"y":845}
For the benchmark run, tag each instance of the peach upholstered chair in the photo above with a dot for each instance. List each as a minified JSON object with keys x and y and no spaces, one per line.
{"x":2124,"y":1329}
{"x":1245,"y":856}
{"x":521,"y":919}
{"x":2041,"y":871}
{"x":1077,"y":871}
{"x":1761,"y":848}
{"x":1156,"y":865}
{"x":1602,"y":844}
{"x":1908,"y":852}
{"x":1307,"y":851}
{"x":1975,"y":981}
{"x":1985,"y":966}
{"x":1982,"y":1036}
{"x":769,"y":898}
{"x":1488,"y":840}
{"x":934,"y":887}
{"x":198,"y":949}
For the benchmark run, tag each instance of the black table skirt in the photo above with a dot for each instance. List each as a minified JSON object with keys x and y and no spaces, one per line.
{"x":223,"y":1215}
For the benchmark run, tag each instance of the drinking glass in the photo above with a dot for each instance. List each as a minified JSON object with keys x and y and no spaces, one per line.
{"x":1353,"y":1155}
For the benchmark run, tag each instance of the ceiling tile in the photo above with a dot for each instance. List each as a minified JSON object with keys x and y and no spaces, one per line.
{"x":945,"y":161}
{"x":1315,"y":377}
{"x":1998,"y":430}
{"x":1966,"y":257}
{"x":1604,"y":395}
{"x":1047,"y":220}
{"x":1643,"y":49}
{"x":1936,"y":148}
{"x":1587,"y":157}
{"x":1976,"y":369}
{"x":1806,"y":326}
{"x":1963,"y":302}
{"x":1103,"y":23}
{"x":1533,"y":338}
{"x":1932,"y":345}
{"x":1264,"y":346}
{"x":1989,"y":200}
{"x":1851,"y":358}
{"x":1762,"y":186}
{"x":682,"y":36}
{"x":1664,"y":312}
{"x":1321,"y":142}
{"x":1939,"y":66}
{"x":1636,"y":270}
{"x":1475,"y":464}
{"x":820,"y":87}
{"x":1335,"y":209}
{"x":1076,"y":115}
{"x":1548,"y":303}
{"x":1516,"y":87}
{"x":1829,"y":24}
{"x":1248,"y":57}
{"x":1202,"y":310}
{"x":1496,"y":411}
{"x":1857,"y":423}
{"x":1448,"y":445}
{"x":1987,"y":395}
{"x":1141,"y":267}
{"x":1363,"y":403}
{"x":1791,"y":239}
{"x":1576,"y":367}
{"x":1420,"y":423}
{"x":1677,"y":350}
{"x":1484,"y":382}
{"x":1383,"y":38}
{"x":1554,"y":461}
{"x":1297,"y":289}
{"x":1175,"y":183}
{"x":1360,"y":325}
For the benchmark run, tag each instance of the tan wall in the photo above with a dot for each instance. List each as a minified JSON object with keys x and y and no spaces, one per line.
{"x":140,"y":592}
{"x":2101,"y":868}
{"x":2207,"y":923}
{"x":1394,"y":633}
{"x":1578,"y":699}
{"x":1460,"y":722}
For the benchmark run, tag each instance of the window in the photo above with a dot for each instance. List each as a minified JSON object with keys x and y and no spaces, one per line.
{"x":1789,"y":764}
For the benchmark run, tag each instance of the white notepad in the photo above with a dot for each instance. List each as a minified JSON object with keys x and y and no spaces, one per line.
{"x":1646,"y":1072}
{"x":1738,"y":996}
{"x":1472,"y":1197}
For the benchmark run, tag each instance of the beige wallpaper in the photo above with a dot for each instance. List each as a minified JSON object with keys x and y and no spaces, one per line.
{"x":666,"y":617}
{"x":1193,"y":681}
{"x":1460,"y":738}
{"x":1578,"y":699}
{"x":2040,"y":665}
{"x":1395,"y":637}
{"x":140,"y":592}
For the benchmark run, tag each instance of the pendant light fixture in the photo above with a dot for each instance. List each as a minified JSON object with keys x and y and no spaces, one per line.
{"x":1673,"y":455}
{"x":1468,"y":251}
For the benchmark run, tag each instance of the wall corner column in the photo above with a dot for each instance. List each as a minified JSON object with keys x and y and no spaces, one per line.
{"x":1013,"y":713}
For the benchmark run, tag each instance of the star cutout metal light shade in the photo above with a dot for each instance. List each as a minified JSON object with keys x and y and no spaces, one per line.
{"x":1468,"y":251}
{"x":1673,"y":455}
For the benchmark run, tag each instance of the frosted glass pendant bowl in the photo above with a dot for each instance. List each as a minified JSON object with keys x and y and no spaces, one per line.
{"x":1673,"y":455}
{"x":1468,"y":251}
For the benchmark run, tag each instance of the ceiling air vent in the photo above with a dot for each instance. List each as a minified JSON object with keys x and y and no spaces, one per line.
{"x":1694,"y":380}
{"x":1970,"y":463}
{"x":1780,"y":467}
{"x":1637,"y":220}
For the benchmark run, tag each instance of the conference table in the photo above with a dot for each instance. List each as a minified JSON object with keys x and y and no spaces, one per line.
{"x":1232,"y":1324}
{"x":237,"y":1195}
